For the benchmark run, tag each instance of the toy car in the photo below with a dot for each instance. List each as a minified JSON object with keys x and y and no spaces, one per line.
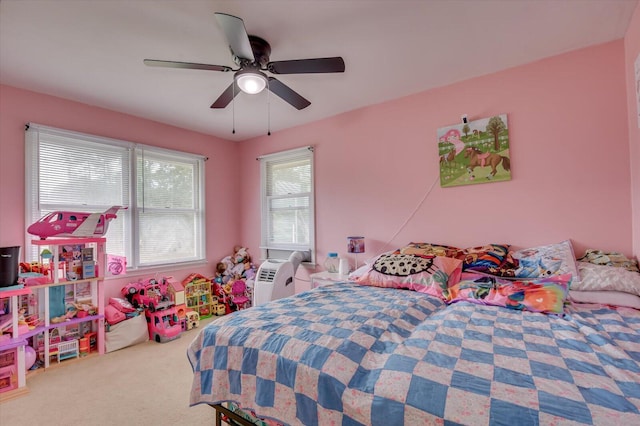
{"x":163,"y":324}
{"x":147,"y":294}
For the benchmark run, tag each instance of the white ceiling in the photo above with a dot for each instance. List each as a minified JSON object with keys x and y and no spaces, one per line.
{"x":92,"y":51}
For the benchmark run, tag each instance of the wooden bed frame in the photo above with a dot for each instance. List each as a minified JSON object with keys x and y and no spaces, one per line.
{"x":236,"y":419}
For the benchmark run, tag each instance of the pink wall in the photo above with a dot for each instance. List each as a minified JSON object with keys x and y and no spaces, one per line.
{"x":569,"y":130}
{"x":569,"y":151}
{"x":20,"y":106}
{"x":632,"y":50}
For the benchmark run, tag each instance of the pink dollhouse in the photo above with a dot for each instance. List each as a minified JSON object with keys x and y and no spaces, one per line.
{"x":12,"y":345}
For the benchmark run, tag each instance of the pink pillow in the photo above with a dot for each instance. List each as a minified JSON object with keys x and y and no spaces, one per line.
{"x":113,"y":316}
{"x":615,"y":298}
{"x":606,"y":278}
{"x":424,"y":274}
{"x":122,"y":305}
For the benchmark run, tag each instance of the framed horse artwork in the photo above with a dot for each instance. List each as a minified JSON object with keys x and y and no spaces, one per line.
{"x":475,"y":152}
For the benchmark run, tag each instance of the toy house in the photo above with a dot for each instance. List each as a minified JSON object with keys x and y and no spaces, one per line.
{"x":69,"y":308}
{"x":198,"y":294}
{"x":175,"y":292}
{"x":12,"y":343}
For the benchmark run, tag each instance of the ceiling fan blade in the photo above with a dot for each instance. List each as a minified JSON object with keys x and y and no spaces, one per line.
{"x":307,"y":66}
{"x":226,"y":96}
{"x":287,"y":93}
{"x":236,"y":34}
{"x":186,"y":65}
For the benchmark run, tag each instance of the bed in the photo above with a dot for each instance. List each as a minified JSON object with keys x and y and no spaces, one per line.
{"x":355,"y":354}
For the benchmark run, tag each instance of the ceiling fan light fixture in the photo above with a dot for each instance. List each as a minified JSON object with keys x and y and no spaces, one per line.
{"x":251,"y":82}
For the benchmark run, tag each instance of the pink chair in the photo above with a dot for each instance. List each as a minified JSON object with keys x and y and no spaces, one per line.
{"x":238,"y":294}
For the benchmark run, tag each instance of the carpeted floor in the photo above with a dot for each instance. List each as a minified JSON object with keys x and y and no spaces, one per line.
{"x":145,"y":384}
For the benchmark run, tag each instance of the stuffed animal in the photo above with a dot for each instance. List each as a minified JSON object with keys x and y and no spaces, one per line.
{"x":226,"y":265}
{"x":237,"y":270}
{"x":232,"y":268}
{"x":241,"y":255}
{"x":250,"y":272}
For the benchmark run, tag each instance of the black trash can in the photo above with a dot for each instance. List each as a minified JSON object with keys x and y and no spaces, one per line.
{"x":9,"y":263}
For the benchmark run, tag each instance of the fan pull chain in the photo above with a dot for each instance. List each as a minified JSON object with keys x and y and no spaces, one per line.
{"x":233,"y":107}
{"x":268,"y":110}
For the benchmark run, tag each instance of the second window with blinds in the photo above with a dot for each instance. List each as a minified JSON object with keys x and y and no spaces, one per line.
{"x":288,"y":213}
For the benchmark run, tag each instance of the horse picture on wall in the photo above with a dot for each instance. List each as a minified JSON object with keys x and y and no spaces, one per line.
{"x":475,"y":152}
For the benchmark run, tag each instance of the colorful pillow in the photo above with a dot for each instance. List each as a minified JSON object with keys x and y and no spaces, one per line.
{"x":544,"y":261}
{"x":611,"y":258}
{"x":545,"y":295}
{"x":507,"y":268}
{"x":606,"y":278}
{"x":425,"y":274}
{"x":428,"y":249}
{"x":487,"y":258}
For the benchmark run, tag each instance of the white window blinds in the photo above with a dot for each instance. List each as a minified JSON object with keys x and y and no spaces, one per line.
{"x":162,"y":189}
{"x":287,"y":201}
{"x":168,"y":204}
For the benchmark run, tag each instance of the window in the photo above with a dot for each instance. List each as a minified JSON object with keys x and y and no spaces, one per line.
{"x":287,"y":203}
{"x":161,"y":189}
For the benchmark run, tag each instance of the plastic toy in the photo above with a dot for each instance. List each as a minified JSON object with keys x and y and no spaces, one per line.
{"x":33,"y":321}
{"x":163,"y":324}
{"x":193,"y":320}
{"x":34,"y":267}
{"x":29,"y":357}
{"x":8,"y":370}
{"x":148,"y":294}
{"x":69,"y":314}
{"x":116,"y":265}
{"x":73,"y":224}
{"x":197,"y":290}
{"x":68,"y":349}
{"x":6,"y":325}
{"x":221,"y":297}
{"x":175,"y":293}
{"x":221,"y":309}
{"x":238,"y":294}
{"x":46,"y":262}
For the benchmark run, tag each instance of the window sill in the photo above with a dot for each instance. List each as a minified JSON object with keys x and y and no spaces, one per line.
{"x":167,"y":268}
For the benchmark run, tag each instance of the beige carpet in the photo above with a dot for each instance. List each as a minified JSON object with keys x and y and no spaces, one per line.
{"x":145,"y":384}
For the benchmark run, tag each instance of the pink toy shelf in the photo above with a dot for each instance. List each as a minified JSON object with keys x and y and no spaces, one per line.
{"x":76,"y":264}
{"x":12,"y":343}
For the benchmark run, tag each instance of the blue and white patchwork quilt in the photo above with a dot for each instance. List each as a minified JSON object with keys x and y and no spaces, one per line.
{"x":346,"y":354}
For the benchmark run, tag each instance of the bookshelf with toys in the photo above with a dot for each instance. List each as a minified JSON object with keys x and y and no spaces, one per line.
{"x":69,"y":305}
{"x":13,"y":345}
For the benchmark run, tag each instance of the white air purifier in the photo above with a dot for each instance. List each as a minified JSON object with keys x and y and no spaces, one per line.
{"x":275,"y":278}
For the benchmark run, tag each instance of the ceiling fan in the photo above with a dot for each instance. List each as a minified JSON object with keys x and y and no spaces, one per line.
{"x":251,"y":55}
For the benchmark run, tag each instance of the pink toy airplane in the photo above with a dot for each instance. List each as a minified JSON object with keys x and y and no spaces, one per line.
{"x":73,"y":224}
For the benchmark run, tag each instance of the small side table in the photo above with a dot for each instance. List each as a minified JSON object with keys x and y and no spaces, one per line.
{"x":323,"y":278}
